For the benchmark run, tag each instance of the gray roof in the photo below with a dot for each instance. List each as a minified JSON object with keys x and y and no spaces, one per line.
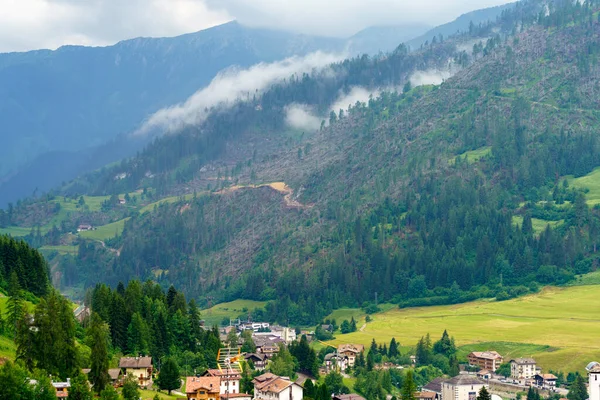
{"x":435,"y":385}
{"x":522,"y":361}
{"x":464,"y":380}
{"x":135,"y":362}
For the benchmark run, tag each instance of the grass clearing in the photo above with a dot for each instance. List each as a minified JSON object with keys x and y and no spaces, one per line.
{"x":591,"y":182}
{"x":539,"y":225}
{"x":565,"y":319}
{"x":233,"y":309}
{"x":60,"y":249}
{"x":105,"y":232}
{"x":7,"y":348}
{"x":473,"y":155}
{"x":149,"y":395}
{"x":166,"y":200}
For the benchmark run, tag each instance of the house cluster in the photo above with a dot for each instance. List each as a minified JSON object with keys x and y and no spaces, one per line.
{"x":523,"y":371}
{"x":140,"y":367}
{"x":222,"y":385}
{"x":345,"y":356}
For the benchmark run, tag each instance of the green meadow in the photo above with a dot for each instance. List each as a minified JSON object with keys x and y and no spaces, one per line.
{"x":557,"y":326}
{"x":539,"y":225}
{"x":473,"y":155}
{"x":233,"y":309}
{"x":591,"y":182}
{"x":105,"y":232}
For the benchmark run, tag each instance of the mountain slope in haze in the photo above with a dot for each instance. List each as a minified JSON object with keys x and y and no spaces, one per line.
{"x":376,"y":39}
{"x":78,"y":97}
{"x":461,"y":24}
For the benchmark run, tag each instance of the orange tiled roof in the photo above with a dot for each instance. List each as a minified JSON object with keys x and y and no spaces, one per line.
{"x":210,"y":383}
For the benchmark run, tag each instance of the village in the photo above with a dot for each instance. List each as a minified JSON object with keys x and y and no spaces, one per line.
{"x":486,"y":370}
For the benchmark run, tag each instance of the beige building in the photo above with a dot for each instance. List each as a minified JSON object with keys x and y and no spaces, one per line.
{"x":462,"y":387}
{"x":489,"y":360}
{"x":522,"y":368}
{"x":272,"y":387}
{"x":351,"y":351}
{"x":140,"y":367}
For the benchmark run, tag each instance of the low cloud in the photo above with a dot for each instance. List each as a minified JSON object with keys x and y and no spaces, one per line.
{"x":357,"y":93}
{"x":429,"y":77}
{"x":231,"y":86}
{"x":300,"y":116}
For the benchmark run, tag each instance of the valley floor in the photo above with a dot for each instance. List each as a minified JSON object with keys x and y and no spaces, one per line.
{"x":558,"y":326}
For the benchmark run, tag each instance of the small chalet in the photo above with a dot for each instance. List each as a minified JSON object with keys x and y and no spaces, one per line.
{"x":272,"y":387}
{"x":81,"y":313}
{"x":62,"y":388}
{"x":84,"y":228}
{"x":484,"y":374}
{"x":203,"y":388}
{"x":140,"y":367}
{"x":545,"y":381}
{"x":351,"y":351}
{"x":258,"y":359}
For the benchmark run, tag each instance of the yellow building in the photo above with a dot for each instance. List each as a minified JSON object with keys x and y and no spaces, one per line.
{"x":203,"y":388}
{"x":140,"y":367}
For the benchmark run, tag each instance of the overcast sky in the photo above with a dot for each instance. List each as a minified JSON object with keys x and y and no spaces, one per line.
{"x":34,"y":24}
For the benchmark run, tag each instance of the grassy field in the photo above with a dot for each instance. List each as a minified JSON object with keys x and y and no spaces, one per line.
{"x":539,"y":225}
{"x":60,"y":249}
{"x":105,"y":231}
{"x":166,"y":200}
{"x":233,"y":309}
{"x":590,"y":181}
{"x":149,"y":395}
{"x":565,"y":320}
{"x":473,"y":155}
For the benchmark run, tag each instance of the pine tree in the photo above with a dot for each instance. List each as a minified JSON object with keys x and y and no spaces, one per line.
{"x":168,"y":377}
{"x":484,"y":394}
{"x":352,"y":325}
{"x":578,"y":390}
{"x":393,"y":349}
{"x":309,"y":389}
{"x":99,"y":342}
{"x":14,"y":304}
{"x":409,"y":387}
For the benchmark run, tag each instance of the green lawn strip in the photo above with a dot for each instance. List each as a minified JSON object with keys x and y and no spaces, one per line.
{"x":105,"y":232}
{"x":233,"y":309}
{"x":473,"y":155}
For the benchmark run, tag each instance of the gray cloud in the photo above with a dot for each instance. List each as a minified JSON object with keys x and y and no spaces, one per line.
{"x":29,"y":24}
{"x":230,"y":86}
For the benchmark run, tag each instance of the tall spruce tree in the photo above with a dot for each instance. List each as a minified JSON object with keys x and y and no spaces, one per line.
{"x":168,"y":377}
{"x":409,"y":387}
{"x":484,"y":394}
{"x":99,"y":341}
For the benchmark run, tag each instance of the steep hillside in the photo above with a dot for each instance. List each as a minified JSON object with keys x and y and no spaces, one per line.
{"x":437,"y":195}
{"x":77,"y":98}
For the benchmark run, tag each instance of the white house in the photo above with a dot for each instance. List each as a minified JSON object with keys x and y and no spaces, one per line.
{"x":593,"y":370}
{"x":522,"y":368}
{"x":272,"y":387}
{"x":462,"y":387}
{"x":230,"y":381}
